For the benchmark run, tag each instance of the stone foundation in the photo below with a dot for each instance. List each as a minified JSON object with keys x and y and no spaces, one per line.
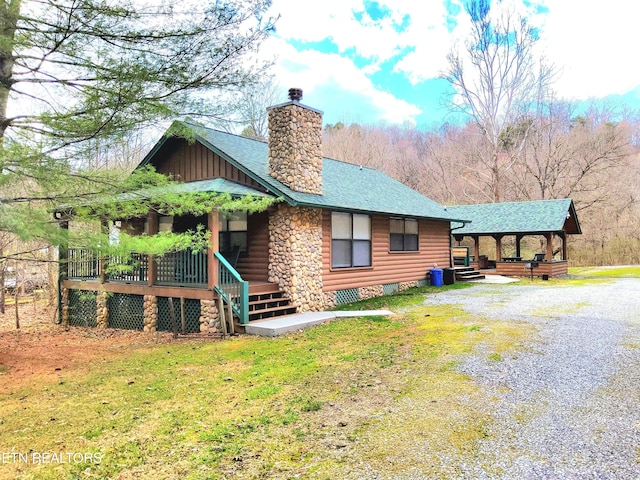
{"x":330,"y":300}
{"x":209,"y":317}
{"x":370,"y":292}
{"x":102,"y":310}
{"x":150,"y":313}
{"x":405,"y":285}
{"x":295,"y":255}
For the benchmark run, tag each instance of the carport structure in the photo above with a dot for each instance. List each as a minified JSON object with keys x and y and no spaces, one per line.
{"x":548,"y":218}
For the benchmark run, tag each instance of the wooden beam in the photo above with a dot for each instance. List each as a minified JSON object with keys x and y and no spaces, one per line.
{"x":141,"y":289}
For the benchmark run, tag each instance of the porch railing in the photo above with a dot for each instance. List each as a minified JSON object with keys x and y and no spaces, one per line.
{"x":83,"y":264}
{"x":174,"y":268}
{"x":182,"y":268}
{"x":130,"y":270}
{"x":233,"y":289}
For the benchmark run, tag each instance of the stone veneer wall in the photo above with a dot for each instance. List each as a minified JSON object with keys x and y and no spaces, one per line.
{"x":295,"y":255}
{"x":209,"y":318}
{"x":295,"y":147}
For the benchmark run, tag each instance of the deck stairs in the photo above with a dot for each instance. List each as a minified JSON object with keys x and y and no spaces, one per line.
{"x":266,"y":300}
{"x":467,"y":274}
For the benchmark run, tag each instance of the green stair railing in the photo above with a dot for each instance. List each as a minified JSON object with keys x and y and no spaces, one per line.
{"x":233,"y":289}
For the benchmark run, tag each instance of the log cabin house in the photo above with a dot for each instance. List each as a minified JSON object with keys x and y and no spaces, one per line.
{"x":340,"y":233}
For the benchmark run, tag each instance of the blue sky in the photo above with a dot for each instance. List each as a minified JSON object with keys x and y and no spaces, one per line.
{"x":370,"y":61}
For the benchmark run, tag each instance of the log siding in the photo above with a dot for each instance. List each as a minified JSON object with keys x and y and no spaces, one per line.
{"x":387,"y":266}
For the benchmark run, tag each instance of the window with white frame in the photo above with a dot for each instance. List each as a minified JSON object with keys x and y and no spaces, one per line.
{"x":403,"y":235}
{"x":350,"y":240}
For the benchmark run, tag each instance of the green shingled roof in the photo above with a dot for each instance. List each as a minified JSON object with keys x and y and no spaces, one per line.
{"x":518,"y":217}
{"x":345,"y":186}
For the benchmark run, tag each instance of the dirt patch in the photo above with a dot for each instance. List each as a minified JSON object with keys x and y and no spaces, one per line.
{"x":40,"y":351}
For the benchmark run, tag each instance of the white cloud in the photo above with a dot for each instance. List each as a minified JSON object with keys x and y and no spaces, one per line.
{"x":589,"y":41}
{"x":592,"y":43}
{"x":318,"y":73}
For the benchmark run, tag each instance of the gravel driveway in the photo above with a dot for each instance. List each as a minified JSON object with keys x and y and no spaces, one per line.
{"x":567,"y":405}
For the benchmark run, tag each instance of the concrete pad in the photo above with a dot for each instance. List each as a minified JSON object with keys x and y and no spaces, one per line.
{"x":496,"y":279}
{"x":272,"y":327}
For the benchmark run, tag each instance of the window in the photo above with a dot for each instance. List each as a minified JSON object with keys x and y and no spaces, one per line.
{"x":403,"y":235}
{"x":233,"y":233}
{"x":350,"y":240}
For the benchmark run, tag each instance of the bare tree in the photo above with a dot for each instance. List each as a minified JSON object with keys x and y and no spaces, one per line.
{"x":496,"y":78}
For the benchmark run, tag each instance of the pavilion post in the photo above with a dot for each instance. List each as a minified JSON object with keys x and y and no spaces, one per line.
{"x":498,"y":239}
{"x":476,"y":248}
{"x":518,"y":240}
{"x":549,"y":255}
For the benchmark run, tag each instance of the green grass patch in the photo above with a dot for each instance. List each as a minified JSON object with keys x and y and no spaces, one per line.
{"x":628,"y":271}
{"x":313,"y":404}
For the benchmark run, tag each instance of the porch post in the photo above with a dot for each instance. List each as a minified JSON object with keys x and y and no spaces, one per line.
{"x":212,"y":263}
{"x":103,"y":263}
{"x":549,"y":255}
{"x":563,"y":236}
{"x":152,"y":229}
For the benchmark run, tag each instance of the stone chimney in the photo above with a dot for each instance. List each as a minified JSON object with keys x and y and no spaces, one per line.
{"x":295,"y":144}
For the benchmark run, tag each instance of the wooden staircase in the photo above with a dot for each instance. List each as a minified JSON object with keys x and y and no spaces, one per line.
{"x":266,"y":301}
{"x":466,"y":274}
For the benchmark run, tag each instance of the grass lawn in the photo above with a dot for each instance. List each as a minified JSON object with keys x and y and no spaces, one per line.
{"x":329,"y":402}
{"x":625,"y":271}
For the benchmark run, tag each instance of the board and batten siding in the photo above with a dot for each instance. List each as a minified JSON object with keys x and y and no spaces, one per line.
{"x":190,"y":162}
{"x":387,"y":267}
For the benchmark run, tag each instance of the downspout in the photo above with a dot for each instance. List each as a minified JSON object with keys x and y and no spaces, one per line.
{"x":464,"y":224}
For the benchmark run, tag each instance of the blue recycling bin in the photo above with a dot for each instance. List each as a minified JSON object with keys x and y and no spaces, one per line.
{"x":435,"y":274}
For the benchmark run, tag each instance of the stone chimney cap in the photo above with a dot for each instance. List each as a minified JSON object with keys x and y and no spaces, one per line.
{"x":295,"y":94}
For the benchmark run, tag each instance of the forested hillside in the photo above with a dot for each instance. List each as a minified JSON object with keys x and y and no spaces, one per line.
{"x":591,"y":156}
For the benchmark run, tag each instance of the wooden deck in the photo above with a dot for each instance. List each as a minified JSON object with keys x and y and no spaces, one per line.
{"x":553,"y":269}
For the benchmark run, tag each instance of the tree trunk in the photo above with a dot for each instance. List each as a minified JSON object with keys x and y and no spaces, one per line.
{"x":9,"y":12}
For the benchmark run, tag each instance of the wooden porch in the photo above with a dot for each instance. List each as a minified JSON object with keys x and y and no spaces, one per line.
{"x":182,"y":275}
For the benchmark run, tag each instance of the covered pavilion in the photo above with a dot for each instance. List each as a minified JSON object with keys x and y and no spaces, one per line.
{"x":549,"y":218}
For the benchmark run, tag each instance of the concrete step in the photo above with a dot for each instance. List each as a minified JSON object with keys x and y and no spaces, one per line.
{"x":298,"y":321}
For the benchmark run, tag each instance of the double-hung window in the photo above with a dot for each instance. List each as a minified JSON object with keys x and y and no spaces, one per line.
{"x":350,"y":240}
{"x":403,"y":236}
